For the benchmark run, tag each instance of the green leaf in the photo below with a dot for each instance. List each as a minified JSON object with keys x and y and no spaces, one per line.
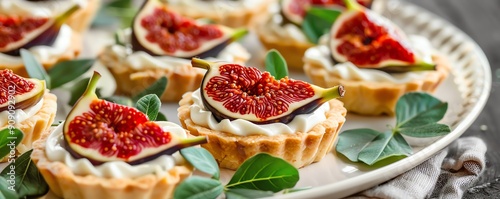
{"x":123,"y":100}
{"x":149,"y":105}
{"x":196,"y":187}
{"x":28,"y":180}
{"x":66,"y":71}
{"x":351,"y":142}
{"x":9,"y":139}
{"x":34,"y":68}
{"x":122,"y":11}
{"x":246,"y":194}
{"x":384,"y":146}
{"x":417,"y":108}
{"x":276,"y":64}
{"x":264,"y":172}
{"x":77,"y":90}
{"x":7,"y":190}
{"x":318,"y":22}
{"x":202,"y":160}
{"x":156,"y":88}
{"x":161,"y":117}
{"x":428,"y":130}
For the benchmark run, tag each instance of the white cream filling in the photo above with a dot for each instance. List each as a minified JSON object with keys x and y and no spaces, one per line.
{"x":301,"y":123}
{"x":115,"y":169}
{"x":19,"y":114}
{"x":348,"y":71}
{"x":141,"y":60}
{"x":40,"y":9}
{"x":43,"y":53}
{"x":220,"y":7}
{"x":274,"y":28}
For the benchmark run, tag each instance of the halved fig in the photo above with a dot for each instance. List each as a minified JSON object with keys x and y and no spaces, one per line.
{"x":103,"y":131}
{"x":232,"y":91}
{"x":369,"y":40}
{"x":17,"y":92}
{"x":18,"y":32}
{"x":158,"y":30}
{"x":295,"y":10}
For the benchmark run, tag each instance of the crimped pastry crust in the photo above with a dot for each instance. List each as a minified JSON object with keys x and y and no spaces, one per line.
{"x":130,"y":81}
{"x":34,"y":126}
{"x":300,"y":148}
{"x":376,"y":98}
{"x":63,"y":183}
{"x":74,"y":50}
{"x":235,"y":18}
{"x":81,"y":20}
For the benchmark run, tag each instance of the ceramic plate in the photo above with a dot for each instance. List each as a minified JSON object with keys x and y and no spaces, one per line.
{"x":466,"y":90}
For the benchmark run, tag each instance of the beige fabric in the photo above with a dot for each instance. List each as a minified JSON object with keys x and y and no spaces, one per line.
{"x":63,"y":183}
{"x":376,"y":98}
{"x":300,"y":148}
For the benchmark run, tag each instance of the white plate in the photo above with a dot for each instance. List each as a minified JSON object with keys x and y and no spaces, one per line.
{"x":466,"y":91}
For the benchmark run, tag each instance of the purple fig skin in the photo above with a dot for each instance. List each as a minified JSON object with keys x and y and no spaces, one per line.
{"x":26,"y":103}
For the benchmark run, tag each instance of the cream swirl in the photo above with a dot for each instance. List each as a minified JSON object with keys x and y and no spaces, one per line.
{"x":301,"y":123}
{"x":348,"y":71}
{"x":19,"y":114}
{"x":43,"y":53}
{"x":39,"y":9}
{"x":209,"y":7}
{"x":116,"y":169}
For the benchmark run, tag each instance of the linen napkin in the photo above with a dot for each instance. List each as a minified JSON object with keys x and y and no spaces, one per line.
{"x":447,"y":174}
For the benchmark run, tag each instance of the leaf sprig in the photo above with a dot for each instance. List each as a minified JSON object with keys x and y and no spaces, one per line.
{"x":318,"y":22}
{"x":259,"y":176}
{"x":417,"y":115}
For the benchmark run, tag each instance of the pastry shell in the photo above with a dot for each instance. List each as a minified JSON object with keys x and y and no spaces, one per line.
{"x":34,"y":126}
{"x":300,"y":149}
{"x":377,"y":98}
{"x":81,"y":20}
{"x":65,"y":184}
{"x":74,"y":50}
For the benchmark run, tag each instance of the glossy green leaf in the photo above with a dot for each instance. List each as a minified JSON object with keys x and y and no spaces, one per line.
{"x":34,"y":68}
{"x":351,"y":142}
{"x":276,"y":64}
{"x":77,"y":90}
{"x":9,"y":139}
{"x":161,"y":117}
{"x":7,"y":189}
{"x":123,"y":100}
{"x":264,"y":172}
{"x":385,"y":145}
{"x":196,"y":187}
{"x":246,"y":194}
{"x":417,"y":109}
{"x":318,"y":22}
{"x":156,"y":88}
{"x":149,"y":105}
{"x":28,"y":180}
{"x":66,"y":71}
{"x":428,"y":130}
{"x":202,"y":160}
{"x":121,"y":11}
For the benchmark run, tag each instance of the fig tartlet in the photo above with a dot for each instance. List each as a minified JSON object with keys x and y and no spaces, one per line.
{"x":40,"y":30}
{"x":32,"y":107}
{"x":150,"y":52}
{"x":107,"y":150}
{"x":243,"y":112}
{"x":239,"y":13}
{"x":375,"y":61}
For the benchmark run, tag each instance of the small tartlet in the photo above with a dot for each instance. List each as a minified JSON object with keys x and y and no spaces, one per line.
{"x":299,"y":148}
{"x":64,"y":183}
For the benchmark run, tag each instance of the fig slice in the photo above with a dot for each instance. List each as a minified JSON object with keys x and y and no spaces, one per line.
{"x":17,"y":92}
{"x":232,"y":91}
{"x":295,"y":10}
{"x":369,"y":40}
{"x":103,"y":131}
{"x":18,"y":32}
{"x":157,"y":30}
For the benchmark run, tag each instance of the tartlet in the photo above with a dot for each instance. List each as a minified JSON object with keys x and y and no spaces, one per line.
{"x":82,"y":19}
{"x":240,"y":13}
{"x":298,"y":148}
{"x":63,"y":182}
